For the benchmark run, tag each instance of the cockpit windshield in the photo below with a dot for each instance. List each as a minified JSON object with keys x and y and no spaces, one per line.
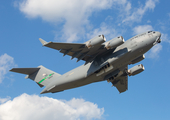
{"x":149,"y":31}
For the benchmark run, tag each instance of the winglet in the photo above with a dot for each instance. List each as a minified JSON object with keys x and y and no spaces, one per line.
{"x":42,"y":41}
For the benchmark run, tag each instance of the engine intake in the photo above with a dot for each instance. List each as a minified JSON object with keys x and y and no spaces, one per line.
{"x":95,"y":41}
{"x":114,"y":42}
{"x":136,"y":70}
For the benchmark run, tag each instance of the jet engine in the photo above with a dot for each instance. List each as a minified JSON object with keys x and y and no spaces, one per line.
{"x":114,"y":42}
{"x":95,"y":41}
{"x":136,"y":70}
{"x":140,"y":58}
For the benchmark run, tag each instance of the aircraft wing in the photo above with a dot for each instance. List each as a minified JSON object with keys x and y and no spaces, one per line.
{"x":76,"y":50}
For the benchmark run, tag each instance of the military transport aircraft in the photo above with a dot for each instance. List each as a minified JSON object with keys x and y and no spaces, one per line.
{"x":103,"y":61}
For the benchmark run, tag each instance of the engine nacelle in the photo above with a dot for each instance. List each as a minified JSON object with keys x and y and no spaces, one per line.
{"x":95,"y":41}
{"x":140,"y":58}
{"x":136,"y":70}
{"x":114,"y":42}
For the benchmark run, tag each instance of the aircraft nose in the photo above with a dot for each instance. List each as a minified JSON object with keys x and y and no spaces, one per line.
{"x":158,"y":34}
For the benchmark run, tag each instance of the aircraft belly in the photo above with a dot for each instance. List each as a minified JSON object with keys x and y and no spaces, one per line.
{"x":78,"y":83}
{"x":69,"y":80}
{"x":76,"y":79}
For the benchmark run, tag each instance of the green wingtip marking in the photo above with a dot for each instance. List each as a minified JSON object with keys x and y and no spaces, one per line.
{"x":45,"y":78}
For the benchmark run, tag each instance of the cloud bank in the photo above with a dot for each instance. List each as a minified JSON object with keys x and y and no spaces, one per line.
{"x":3,"y":100}
{"x":6,"y":62}
{"x":142,"y":28}
{"x":137,"y":13}
{"x":74,"y":16}
{"x":34,"y":107}
{"x":154,"y":52}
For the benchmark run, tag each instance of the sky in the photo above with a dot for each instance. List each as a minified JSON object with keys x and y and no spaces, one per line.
{"x":23,"y":22}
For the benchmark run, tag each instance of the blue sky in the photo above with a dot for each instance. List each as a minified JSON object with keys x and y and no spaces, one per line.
{"x":22,"y":22}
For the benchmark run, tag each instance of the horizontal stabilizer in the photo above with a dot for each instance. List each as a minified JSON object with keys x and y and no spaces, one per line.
{"x":27,"y":71}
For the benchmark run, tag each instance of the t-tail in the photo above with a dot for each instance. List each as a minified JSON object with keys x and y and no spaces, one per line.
{"x":41,"y":75}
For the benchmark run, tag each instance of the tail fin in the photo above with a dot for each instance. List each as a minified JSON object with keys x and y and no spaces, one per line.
{"x":40,"y":75}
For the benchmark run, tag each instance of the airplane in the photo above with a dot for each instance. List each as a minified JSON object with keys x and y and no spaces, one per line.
{"x":103,"y":61}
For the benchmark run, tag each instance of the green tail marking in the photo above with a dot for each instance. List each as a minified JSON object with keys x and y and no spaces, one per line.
{"x":46,"y":78}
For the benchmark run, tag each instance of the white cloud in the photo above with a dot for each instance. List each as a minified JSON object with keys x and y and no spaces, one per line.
{"x":148,"y":21}
{"x":104,"y":29}
{"x":154,"y":52}
{"x":74,"y":14}
{"x":6,"y":62}
{"x":142,"y":28}
{"x":3,"y":100}
{"x":34,"y":107}
{"x":137,"y":13}
{"x":124,"y":6}
{"x":165,"y":38}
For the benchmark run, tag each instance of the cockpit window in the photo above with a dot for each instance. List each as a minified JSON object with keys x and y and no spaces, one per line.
{"x":149,"y":31}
